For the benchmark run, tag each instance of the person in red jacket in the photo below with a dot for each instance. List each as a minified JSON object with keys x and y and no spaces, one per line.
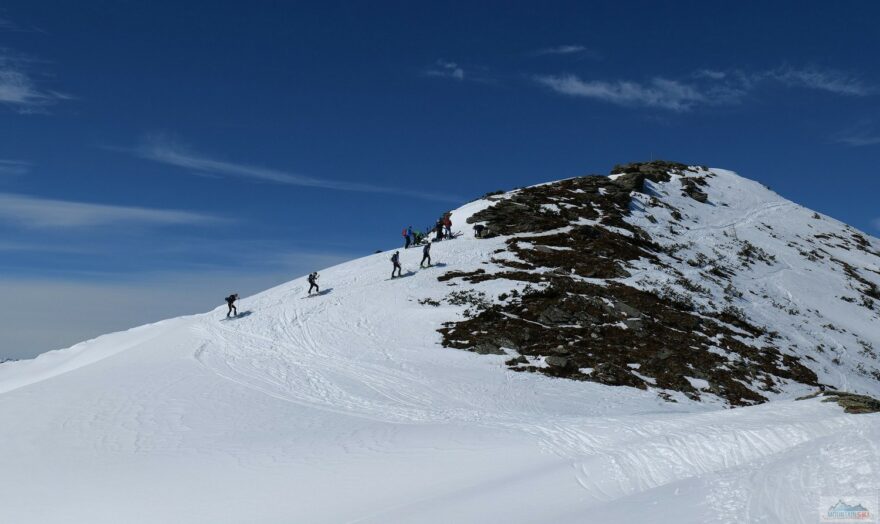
{"x":447,"y":224}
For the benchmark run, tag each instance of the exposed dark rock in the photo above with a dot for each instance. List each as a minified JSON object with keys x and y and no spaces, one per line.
{"x":657,"y":170}
{"x":599,"y":252}
{"x":564,"y":232}
{"x":667,"y":342}
{"x":689,"y":186}
{"x":460,"y":274}
{"x":850,"y":402}
{"x":556,"y":362}
{"x":487,"y":348}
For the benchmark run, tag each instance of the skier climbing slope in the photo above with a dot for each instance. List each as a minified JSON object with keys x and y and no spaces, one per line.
{"x":426,"y":255}
{"x":347,"y":409}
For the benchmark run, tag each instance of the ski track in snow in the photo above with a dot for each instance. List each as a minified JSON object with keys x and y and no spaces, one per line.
{"x":344,"y":408}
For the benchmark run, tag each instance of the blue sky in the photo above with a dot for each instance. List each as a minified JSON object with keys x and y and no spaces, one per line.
{"x":155,"y":156}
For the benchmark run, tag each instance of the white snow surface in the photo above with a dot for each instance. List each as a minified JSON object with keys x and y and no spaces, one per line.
{"x":800,"y":290}
{"x":344,"y":408}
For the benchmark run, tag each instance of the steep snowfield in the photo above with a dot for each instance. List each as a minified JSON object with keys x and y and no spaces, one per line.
{"x":805,"y":278}
{"x":344,"y":408}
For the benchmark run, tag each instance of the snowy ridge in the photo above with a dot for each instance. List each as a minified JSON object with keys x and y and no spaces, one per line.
{"x":801,"y":289}
{"x":747,"y":296}
{"x":345,"y":408}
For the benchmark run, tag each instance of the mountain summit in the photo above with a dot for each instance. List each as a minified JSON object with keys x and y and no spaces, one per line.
{"x":574,"y":363}
{"x":677,"y":278}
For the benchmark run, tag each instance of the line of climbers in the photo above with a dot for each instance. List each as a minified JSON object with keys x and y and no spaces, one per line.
{"x":397,"y":269}
{"x":441,"y":230}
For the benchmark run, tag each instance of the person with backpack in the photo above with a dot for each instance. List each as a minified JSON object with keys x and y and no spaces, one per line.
{"x":438,"y":227}
{"x":395,"y":259}
{"x":407,"y":239}
{"x":426,"y":255}
{"x":447,"y":224}
{"x":313,"y":282}
{"x":230,"y":301}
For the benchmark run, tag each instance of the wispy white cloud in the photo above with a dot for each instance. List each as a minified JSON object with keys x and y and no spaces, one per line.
{"x":660,"y":92}
{"x":862,"y":133}
{"x":705,"y":87}
{"x":35,"y":212}
{"x":832,"y":81}
{"x":169,"y":153}
{"x":561,"y":50}
{"x":14,"y":167}
{"x":8,"y":25}
{"x":453,"y":71}
{"x":828,"y":80}
{"x":859,"y":141}
{"x":32,"y":247}
{"x":445,"y":69}
{"x":569,"y":50}
{"x":18,"y":89}
{"x":710,"y":73}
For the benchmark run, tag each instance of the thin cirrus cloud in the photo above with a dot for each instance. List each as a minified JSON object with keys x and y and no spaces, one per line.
{"x":660,"y":92}
{"x":446,"y":69}
{"x":704,"y":88}
{"x":860,"y":140}
{"x":19,"y":91}
{"x":566,"y":50}
{"x":42,"y":213}
{"x":830,"y":80}
{"x":14,"y":167}
{"x":32,"y":247}
{"x":10,"y":26}
{"x":168,"y":153}
{"x":862,"y":133}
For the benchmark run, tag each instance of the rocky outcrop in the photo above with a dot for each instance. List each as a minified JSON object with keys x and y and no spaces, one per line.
{"x":690,"y":187}
{"x":566,"y":235}
{"x":850,"y":402}
{"x":853,"y":403}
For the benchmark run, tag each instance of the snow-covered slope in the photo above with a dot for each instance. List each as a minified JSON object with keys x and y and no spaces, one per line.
{"x":345,"y":407}
{"x":680,"y":280}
